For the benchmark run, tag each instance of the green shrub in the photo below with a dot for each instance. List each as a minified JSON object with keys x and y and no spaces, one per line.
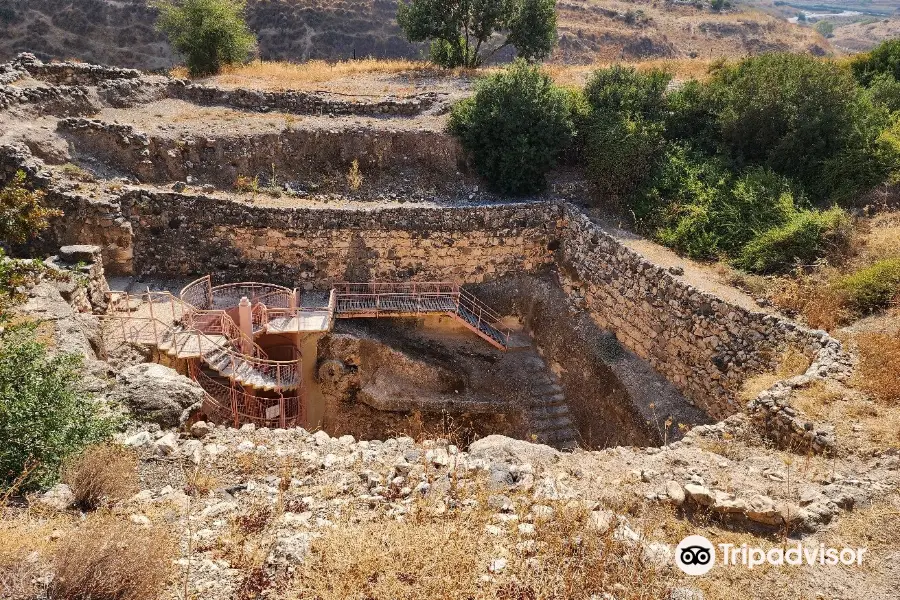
{"x":873,"y":287}
{"x":802,"y":117}
{"x":22,"y":211}
{"x":45,"y":416}
{"x":515,"y":127}
{"x":884,"y":59}
{"x":210,"y":33}
{"x":807,"y":237}
{"x":623,"y":130}
{"x":691,"y":116}
{"x":824,"y":28}
{"x":720,"y":222}
{"x":680,"y":188}
{"x":884,"y":91}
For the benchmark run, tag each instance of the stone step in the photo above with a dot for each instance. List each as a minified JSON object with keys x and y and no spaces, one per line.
{"x":547,"y":424}
{"x":562,"y":439}
{"x":547,"y":401}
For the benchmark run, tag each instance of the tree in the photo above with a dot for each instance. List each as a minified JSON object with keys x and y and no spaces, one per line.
{"x":623,"y":130}
{"x":884,"y":59}
{"x":45,"y":414}
{"x":515,"y":126}
{"x":460,"y":30}
{"x":210,"y":33}
{"x":22,"y":211}
{"x":804,"y":118}
{"x":824,"y":28}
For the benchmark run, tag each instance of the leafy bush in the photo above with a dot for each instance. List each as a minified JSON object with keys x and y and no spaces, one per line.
{"x":683,"y":178}
{"x":210,"y":33}
{"x":623,"y":131}
{"x":884,"y":90}
{"x":22,"y":211}
{"x":824,"y":28}
{"x":515,"y":126}
{"x":102,"y":473}
{"x":110,"y":559}
{"x":807,"y":237}
{"x":884,"y":59}
{"x":459,"y":31}
{"x":721,"y":221}
{"x":804,"y":118}
{"x":873,"y":287}
{"x":45,"y":416}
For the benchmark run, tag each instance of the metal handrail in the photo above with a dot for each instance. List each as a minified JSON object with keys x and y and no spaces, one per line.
{"x":240,"y":348}
{"x":235,"y":404}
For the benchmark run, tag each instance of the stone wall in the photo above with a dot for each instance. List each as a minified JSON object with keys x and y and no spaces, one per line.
{"x":305,"y":154}
{"x":178,"y":234}
{"x":704,"y":345}
{"x":296,"y":102}
{"x":85,"y":220}
{"x":71,"y":73}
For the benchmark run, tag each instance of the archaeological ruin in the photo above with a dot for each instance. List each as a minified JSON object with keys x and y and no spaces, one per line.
{"x":547,"y":325}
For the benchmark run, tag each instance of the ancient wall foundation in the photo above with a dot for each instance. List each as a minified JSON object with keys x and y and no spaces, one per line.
{"x":315,"y":247}
{"x":704,"y":345}
{"x":285,"y":154}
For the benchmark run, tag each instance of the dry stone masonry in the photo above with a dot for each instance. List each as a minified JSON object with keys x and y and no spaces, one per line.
{"x":705,"y":346}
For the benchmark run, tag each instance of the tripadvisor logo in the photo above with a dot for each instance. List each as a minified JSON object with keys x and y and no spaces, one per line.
{"x":696,"y":555}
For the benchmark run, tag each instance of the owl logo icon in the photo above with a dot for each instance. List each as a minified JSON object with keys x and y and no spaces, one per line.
{"x":695,"y":555}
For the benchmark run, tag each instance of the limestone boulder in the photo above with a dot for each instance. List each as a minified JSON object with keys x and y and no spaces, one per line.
{"x":499,"y":448}
{"x":157,"y":394}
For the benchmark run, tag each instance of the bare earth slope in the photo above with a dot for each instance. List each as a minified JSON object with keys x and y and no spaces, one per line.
{"x":121,"y":31}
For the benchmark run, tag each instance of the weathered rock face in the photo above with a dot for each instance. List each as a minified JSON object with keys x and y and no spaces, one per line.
{"x":371,"y":389}
{"x":157,"y":394}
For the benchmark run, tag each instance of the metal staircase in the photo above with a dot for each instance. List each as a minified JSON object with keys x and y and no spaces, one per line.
{"x":215,"y":329}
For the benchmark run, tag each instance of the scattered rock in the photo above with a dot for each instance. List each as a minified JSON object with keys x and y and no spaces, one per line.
{"x":157,"y":393}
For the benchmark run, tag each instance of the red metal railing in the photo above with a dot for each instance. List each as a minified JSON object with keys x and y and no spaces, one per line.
{"x":390,"y":299}
{"x":232,"y":403}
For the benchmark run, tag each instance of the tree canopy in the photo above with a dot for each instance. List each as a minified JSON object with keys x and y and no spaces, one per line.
{"x":210,"y":33}
{"x":461,"y":32}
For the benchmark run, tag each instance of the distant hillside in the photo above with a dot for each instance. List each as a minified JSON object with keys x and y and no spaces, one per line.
{"x":121,"y":31}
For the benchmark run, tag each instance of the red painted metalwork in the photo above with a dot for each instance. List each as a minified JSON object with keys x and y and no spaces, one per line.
{"x":202,"y":329}
{"x":378,"y":299}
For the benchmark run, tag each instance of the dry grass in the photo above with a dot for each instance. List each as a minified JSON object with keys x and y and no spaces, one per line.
{"x":879,"y":369}
{"x":452,"y":556}
{"x":682,"y":69}
{"x":817,"y":296}
{"x":282,"y":75}
{"x":792,"y":363}
{"x":821,"y":305}
{"x":110,"y":559}
{"x":25,"y":545}
{"x":102,"y":474}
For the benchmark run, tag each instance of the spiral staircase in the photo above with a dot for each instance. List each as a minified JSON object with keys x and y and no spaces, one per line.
{"x":216,"y":328}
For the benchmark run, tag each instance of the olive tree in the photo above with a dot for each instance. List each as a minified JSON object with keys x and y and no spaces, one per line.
{"x":462,"y":32}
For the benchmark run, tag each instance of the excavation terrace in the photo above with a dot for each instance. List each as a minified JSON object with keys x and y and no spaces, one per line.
{"x":306,"y":194}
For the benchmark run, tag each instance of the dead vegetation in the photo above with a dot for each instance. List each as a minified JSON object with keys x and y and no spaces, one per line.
{"x":102,"y":474}
{"x":879,"y":368}
{"x":829,"y":295}
{"x":792,"y":363}
{"x":435,"y":553}
{"x":107,"y":558}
